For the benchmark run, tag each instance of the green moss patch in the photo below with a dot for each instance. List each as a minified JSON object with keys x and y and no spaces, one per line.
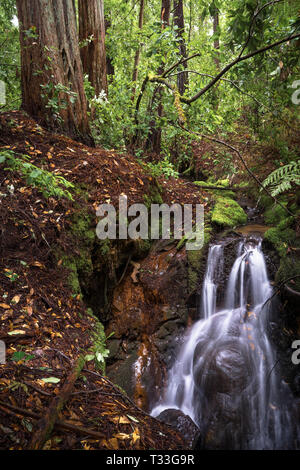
{"x":195,"y":259}
{"x":228,"y":213}
{"x":281,"y":239}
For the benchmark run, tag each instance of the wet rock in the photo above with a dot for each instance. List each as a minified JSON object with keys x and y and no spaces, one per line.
{"x":147,"y":318}
{"x":184,"y":424}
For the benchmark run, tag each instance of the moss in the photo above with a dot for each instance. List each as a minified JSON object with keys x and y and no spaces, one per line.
{"x":221,"y":184}
{"x":195,"y":260}
{"x":73,"y":281}
{"x":289,"y":266}
{"x":281,"y":239}
{"x":285,"y":223}
{"x":81,"y":227}
{"x":79,"y":265}
{"x":274,"y":214}
{"x":228,"y":213}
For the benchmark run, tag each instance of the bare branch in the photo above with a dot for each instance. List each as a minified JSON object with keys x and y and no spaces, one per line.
{"x":236,"y":61}
{"x":256,"y":14}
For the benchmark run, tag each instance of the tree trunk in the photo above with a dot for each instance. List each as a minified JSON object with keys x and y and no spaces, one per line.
{"x":51,"y":77}
{"x":154,"y":139}
{"x":110,"y":70}
{"x":92,"y":34}
{"x":182,"y":78}
{"x":138,"y":51}
{"x":165,"y":13}
{"x":216,"y":41}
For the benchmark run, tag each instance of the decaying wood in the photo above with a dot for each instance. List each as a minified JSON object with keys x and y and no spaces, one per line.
{"x":47,"y":422}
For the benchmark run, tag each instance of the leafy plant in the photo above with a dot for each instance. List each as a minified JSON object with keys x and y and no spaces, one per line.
{"x":21,"y":356}
{"x":282,"y":179}
{"x":45,"y":181}
{"x":163,"y":168}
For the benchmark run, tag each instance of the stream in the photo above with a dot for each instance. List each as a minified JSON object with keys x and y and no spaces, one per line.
{"x":225,"y":376}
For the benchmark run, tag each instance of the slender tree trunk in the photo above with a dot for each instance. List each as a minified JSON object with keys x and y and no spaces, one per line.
{"x":110,"y":70}
{"x":216,"y":41}
{"x":92,"y":34}
{"x":165,"y":13}
{"x":138,"y":51}
{"x":154,"y":138}
{"x":51,"y":64}
{"x":182,"y":78}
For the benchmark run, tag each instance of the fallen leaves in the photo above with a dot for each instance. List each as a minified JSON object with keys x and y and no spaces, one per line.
{"x":5,"y":306}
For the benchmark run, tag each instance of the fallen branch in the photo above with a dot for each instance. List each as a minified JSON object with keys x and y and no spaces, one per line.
{"x":222,"y":188}
{"x":47,"y":422}
{"x":59,"y":424}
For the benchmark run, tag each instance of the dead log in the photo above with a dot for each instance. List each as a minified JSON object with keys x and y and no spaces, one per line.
{"x":46,"y":424}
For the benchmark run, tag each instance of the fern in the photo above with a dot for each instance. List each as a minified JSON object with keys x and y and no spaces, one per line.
{"x":282,"y":179}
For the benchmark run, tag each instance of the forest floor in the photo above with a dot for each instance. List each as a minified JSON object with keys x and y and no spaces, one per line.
{"x":43,"y":324}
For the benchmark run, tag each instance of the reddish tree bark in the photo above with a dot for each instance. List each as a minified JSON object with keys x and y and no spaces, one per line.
{"x":50,"y":58}
{"x":92,"y":32}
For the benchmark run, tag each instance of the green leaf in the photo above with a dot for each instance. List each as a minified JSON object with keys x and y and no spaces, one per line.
{"x":51,"y":380}
{"x":89,"y":357}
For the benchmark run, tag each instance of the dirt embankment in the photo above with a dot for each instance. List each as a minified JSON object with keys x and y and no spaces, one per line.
{"x":48,"y":258}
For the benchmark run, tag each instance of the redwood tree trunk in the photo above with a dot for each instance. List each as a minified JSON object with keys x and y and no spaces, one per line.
{"x":182,"y":78}
{"x":50,"y":61}
{"x":92,"y":32}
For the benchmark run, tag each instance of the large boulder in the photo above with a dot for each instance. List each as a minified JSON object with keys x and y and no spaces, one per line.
{"x":184,"y":425}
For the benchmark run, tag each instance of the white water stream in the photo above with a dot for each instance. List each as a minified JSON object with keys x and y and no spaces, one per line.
{"x":224,"y":376}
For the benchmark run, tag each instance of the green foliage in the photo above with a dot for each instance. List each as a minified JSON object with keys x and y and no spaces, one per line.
{"x":283,"y":178}
{"x":163,"y":168}
{"x":98,"y":352}
{"x":9,"y":54}
{"x":21,"y":356}
{"x":56,"y":96}
{"x":45,"y":181}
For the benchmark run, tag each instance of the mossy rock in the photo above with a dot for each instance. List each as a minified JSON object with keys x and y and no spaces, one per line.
{"x":195,"y":261}
{"x":281,"y":239}
{"x":228,"y":213}
{"x":274,"y":214}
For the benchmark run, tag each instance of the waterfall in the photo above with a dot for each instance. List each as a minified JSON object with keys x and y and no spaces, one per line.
{"x":224,"y":376}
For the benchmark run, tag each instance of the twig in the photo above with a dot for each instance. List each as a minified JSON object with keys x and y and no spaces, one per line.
{"x":119,"y":393}
{"x":125,"y":269}
{"x":279,"y":288}
{"x":58,"y":424}
{"x":258,"y":11}
{"x":42,"y":392}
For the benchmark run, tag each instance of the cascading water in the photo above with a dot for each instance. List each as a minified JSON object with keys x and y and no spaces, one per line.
{"x":224,"y":376}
